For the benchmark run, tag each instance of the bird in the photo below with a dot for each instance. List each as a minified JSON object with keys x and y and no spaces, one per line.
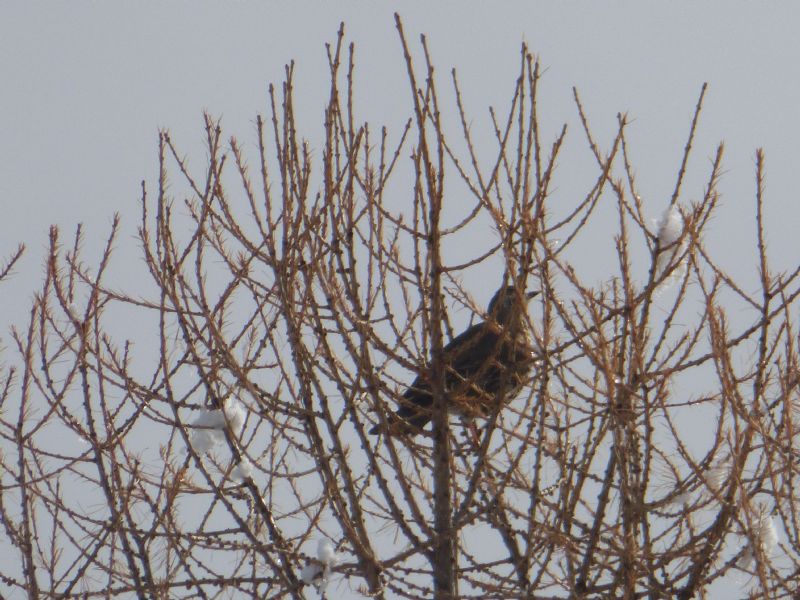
{"x":486,"y":364}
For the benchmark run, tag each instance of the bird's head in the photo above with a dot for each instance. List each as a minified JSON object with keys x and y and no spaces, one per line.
{"x":507,"y":302}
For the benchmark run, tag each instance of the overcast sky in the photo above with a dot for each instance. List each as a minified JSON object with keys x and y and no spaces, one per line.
{"x":85,"y":87}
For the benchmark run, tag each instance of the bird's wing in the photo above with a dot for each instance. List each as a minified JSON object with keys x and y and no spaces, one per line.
{"x":468,"y":352}
{"x":464,"y":354}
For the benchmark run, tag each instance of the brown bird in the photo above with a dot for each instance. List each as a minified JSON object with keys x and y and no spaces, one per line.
{"x":485,"y":365}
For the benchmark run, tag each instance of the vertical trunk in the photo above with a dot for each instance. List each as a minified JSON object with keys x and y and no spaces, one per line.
{"x":443,"y":555}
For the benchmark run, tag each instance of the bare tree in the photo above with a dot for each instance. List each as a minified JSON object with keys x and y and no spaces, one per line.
{"x":226,"y":451}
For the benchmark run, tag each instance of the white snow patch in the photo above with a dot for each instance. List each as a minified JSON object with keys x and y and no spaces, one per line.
{"x":670,"y":229}
{"x":243,"y":470}
{"x":765,"y":534}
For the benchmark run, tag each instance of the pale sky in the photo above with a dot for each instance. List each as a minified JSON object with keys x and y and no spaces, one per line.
{"x":86,"y":86}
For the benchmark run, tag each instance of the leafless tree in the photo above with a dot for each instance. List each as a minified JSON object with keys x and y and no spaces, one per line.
{"x":293,"y":297}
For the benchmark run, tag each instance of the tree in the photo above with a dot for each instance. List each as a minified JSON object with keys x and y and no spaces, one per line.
{"x":228,"y":452}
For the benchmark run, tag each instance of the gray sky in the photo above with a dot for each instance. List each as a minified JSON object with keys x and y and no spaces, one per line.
{"x":85,"y":87}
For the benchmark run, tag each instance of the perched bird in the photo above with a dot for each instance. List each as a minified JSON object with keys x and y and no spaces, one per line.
{"x":486,"y":364}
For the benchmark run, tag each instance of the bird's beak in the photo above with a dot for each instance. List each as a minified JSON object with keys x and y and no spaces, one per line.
{"x":530,"y":295}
